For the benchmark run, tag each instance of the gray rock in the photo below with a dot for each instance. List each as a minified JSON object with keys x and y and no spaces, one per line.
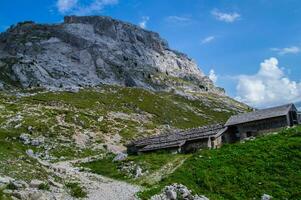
{"x":120,"y":157}
{"x":55,"y":184}
{"x":200,"y":197}
{"x":177,"y":191}
{"x":138,"y":172}
{"x":35,"y":183}
{"x":266,"y":197}
{"x":94,"y":50}
{"x":38,"y":141}
{"x":30,"y":153}
{"x":18,"y":184}
{"x":20,"y":195}
{"x":5,"y":180}
{"x":38,"y":196}
{"x":25,"y":138}
{"x":171,"y":194}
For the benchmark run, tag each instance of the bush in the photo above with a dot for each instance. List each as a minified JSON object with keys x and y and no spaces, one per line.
{"x":76,"y":190}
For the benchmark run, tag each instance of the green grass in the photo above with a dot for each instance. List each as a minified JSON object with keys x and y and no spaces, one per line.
{"x":106,"y":167}
{"x":76,"y":190}
{"x":14,"y":161}
{"x":268,"y":165}
{"x":44,"y":186}
{"x":135,"y":100}
{"x":150,"y":162}
{"x":4,"y":197}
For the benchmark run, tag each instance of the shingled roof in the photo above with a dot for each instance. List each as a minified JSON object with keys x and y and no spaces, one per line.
{"x":177,"y":139}
{"x":259,"y":115}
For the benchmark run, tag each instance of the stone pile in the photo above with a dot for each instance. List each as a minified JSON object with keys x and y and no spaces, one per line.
{"x":177,"y":191}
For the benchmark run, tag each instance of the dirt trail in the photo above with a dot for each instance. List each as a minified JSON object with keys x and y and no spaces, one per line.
{"x":97,"y":187}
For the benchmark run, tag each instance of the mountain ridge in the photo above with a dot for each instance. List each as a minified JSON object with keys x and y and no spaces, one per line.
{"x":94,"y":50}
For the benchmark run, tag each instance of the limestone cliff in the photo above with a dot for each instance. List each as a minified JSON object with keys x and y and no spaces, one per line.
{"x":94,"y":50}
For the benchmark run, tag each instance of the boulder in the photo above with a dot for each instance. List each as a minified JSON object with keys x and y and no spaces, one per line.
{"x":38,"y":196}
{"x":266,"y":197}
{"x":38,"y":141}
{"x":25,"y":138}
{"x":138,"y":172}
{"x":171,"y":194}
{"x":30,"y":153}
{"x":35,"y":183}
{"x":120,"y":157}
{"x":5,"y":180}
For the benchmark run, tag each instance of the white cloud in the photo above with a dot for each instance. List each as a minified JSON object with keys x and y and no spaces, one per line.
{"x":78,"y":8}
{"x":268,"y":87}
{"x":208,"y":39}
{"x":64,"y":6}
{"x":178,"y":19}
{"x":225,"y":17}
{"x":287,"y":50}
{"x":213,"y":76}
{"x":144,"y":21}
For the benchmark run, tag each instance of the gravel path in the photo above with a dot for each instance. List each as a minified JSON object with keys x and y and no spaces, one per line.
{"x":97,"y":186}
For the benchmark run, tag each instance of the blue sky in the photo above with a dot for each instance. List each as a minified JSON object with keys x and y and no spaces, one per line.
{"x":253,"y":46}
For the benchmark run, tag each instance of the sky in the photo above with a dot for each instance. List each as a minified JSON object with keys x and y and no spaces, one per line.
{"x":252,"y":48}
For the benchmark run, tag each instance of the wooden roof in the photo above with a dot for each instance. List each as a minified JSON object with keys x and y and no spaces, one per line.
{"x":259,"y":115}
{"x":177,"y":139}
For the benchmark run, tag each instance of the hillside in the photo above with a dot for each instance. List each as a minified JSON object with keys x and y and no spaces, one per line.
{"x":54,"y":127}
{"x":267,"y":165}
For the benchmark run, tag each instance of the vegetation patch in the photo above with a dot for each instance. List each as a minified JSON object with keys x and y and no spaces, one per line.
{"x":76,"y":190}
{"x":150,"y":163}
{"x":267,"y":165}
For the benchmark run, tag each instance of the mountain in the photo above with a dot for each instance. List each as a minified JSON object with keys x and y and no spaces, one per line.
{"x":94,"y":50}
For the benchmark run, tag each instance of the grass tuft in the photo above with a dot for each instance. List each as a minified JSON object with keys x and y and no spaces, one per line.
{"x":76,"y":190}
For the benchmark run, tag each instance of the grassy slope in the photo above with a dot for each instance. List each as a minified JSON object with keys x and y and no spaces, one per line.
{"x":59,"y":115}
{"x":150,"y":163}
{"x":268,"y":165}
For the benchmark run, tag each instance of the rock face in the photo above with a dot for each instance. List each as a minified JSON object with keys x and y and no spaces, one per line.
{"x":94,"y":50}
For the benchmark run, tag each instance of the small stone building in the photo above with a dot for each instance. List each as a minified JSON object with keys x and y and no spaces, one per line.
{"x":260,"y":122}
{"x":183,"y":141}
{"x":236,"y":128}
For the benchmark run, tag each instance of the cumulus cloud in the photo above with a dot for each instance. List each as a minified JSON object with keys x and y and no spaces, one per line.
{"x":208,"y":39}
{"x":225,"y":17}
{"x":213,"y":76}
{"x":144,"y":21}
{"x":77,"y":7}
{"x":268,"y":87}
{"x":287,"y":50}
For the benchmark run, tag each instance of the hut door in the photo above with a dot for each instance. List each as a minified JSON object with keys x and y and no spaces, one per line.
{"x":249,"y":134}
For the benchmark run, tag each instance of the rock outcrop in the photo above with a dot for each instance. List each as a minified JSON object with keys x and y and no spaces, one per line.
{"x":94,"y":50}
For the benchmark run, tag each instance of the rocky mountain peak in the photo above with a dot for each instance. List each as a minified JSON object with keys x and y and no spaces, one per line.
{"x":94,"y":50}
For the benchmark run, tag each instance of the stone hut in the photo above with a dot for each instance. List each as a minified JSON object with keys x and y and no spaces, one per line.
{"x":182,"y":141}
{"x":260,"y":122}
